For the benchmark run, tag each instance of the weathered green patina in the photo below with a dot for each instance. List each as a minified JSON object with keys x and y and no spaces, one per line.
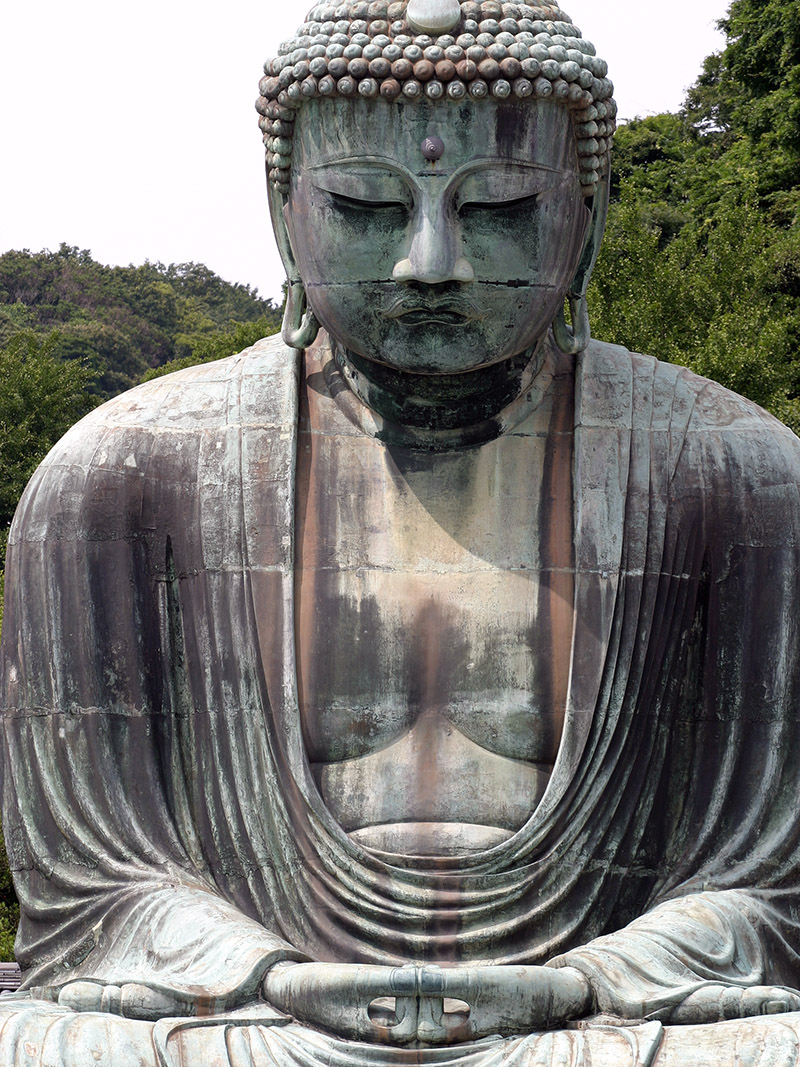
{"x":422,"y":686}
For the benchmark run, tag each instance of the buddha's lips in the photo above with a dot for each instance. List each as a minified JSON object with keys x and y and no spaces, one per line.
{"x":450,"y":312}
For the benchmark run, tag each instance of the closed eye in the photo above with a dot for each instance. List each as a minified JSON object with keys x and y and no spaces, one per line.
{"x":521,"y":203}
{"x":352,"y":203}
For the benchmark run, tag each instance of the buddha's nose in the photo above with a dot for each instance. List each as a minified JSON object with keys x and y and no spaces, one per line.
{"x":434,"y":257}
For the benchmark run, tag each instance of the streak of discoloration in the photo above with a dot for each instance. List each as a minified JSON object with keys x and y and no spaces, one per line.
{"x":434,"y":617}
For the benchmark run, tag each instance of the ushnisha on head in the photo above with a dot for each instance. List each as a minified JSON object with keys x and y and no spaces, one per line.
{"x":439,"y":50}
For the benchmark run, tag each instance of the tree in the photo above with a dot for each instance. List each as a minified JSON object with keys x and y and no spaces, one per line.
{"x":701,"y":262}
{"x":121,"y":321}
{"x":719,"y":297}
{"x":40,"y":398}
{"x":750,"y":93}
{"x":203,"y":348}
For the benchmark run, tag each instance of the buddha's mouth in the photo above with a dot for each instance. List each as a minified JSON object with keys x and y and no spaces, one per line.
{"x":449,"y":312}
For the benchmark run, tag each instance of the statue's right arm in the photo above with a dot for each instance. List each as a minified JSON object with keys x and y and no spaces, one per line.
{"x":109,"y":857}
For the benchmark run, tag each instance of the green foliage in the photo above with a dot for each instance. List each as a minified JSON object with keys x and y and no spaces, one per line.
{"x":217,"y":345}
{"x":120,"y":321}
{"x":720,"y":297}
{"x":40,"y":398}
{"x":701,"y":262}
{"x":751,"y":92}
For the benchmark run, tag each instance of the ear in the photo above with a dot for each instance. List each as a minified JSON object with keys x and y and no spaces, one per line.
{"x":300,"y":327}
{"x":574,"y":339}
{"x":277,"y":203}
{"x":593,"y":239}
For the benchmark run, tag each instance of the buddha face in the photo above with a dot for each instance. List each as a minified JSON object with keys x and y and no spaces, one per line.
{"x":434,"y":237}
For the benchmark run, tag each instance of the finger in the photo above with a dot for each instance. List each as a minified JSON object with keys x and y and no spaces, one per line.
{"x":302,"y":982}
{"x":131,"y":1000}
{"x":705,"y":1005}
{"x":142,"y":1002}
{"x":81,"y":996}
{"x":517,"y":999}
{"x":397,"y":1027}
{"x":336,"y":997}
{"x":715,"y":1003}
{"x":769,"y":1000}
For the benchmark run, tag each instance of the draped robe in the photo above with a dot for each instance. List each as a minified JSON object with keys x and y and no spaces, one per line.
{"x":161,"y":819}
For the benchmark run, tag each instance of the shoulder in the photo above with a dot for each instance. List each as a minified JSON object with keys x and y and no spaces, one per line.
{"x":726,"y":433}
{"x":715,"y":453}
{"x":162,"y":437}
{"x":256,"y":381}
{"x":707,"y":421}
{"x":257,"y":385}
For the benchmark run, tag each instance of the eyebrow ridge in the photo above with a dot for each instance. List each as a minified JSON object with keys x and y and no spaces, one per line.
{"x":465,"y":168}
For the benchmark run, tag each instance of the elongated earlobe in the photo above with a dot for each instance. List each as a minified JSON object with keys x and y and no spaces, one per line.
{"x":300,"y":326}
{"x":573,"y":339}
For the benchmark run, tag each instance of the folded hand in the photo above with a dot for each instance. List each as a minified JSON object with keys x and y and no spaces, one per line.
{"x":427,"y":1005}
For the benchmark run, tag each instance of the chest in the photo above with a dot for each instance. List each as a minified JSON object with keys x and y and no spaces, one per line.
{"x":434,"y":585}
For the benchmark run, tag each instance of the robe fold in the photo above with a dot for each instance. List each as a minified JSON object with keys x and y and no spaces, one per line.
{"x":162,"y":822}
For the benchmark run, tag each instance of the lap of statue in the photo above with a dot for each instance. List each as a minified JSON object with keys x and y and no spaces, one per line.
{"x":37,"y":1033}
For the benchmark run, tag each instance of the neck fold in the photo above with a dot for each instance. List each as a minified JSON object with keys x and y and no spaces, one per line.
{"x":441,"y":412}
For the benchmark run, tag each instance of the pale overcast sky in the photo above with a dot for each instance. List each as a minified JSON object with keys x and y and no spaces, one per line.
{"x":129,"y":129}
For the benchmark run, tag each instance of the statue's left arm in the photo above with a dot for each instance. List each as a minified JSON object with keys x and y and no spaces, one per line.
{"x":700,"y":958}
{"x":721,"y":849}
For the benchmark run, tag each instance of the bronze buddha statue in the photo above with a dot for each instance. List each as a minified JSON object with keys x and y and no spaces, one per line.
{"x":421,"y":684}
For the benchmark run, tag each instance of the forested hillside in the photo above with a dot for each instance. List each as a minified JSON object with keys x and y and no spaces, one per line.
{"x":700,"y":266}
{"x":701,"y":261}
{"x":74,"y":332}
{"x":121,"y":322}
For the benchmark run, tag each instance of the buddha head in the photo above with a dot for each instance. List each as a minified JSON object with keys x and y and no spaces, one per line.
{"x":437,"y":173}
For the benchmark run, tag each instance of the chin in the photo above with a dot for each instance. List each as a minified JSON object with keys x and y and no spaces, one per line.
{"x":434,"y":349}
{"x":437,"y":360}
{"x":504,"y":322}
